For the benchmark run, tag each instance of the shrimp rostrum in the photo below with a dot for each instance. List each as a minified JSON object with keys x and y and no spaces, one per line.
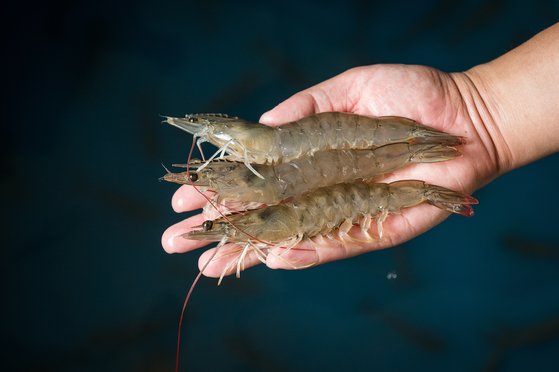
{"x":233,"y":181}
{"x":324,"y":211}
{"x":253,"y":143}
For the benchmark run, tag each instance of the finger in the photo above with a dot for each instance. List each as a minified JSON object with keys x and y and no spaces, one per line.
{"x":316,"y":251}
{"x":173,"y":241}
{"x":302,"y":256}
{"x":187,"y":198}
{"x":331,"y":95}
{"x":226,"y":260}
{"x":297,"y":106}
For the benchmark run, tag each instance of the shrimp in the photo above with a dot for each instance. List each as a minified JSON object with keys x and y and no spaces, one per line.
{"x":233,"y":181}
{"x":260,"y":144}
{"x":322,"y":211}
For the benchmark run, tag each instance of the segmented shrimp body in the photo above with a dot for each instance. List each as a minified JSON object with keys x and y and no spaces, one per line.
{"x":325,"y":209}
{"x":233,"y":181}
{"x":260,"y":144}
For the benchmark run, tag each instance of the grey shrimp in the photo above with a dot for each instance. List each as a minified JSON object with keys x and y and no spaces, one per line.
{"x":233,"y":181}
{"x":253,"y":143}
{"x":324,"y":210}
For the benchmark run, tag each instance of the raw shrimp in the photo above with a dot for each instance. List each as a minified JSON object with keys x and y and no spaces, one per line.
{"x":233,"y":181}
{"x":260,"y":144}
{"x":322,"y":211}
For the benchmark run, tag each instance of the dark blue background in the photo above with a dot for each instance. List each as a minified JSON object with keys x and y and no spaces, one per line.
{"x":87,"y":285}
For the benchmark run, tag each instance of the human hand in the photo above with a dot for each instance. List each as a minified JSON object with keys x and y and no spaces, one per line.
{"x":448,"y":102}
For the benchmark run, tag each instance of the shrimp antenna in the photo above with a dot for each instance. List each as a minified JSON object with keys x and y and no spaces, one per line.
{"x":186,"y":300}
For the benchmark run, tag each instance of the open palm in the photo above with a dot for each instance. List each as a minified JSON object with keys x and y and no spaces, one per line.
{"x":447,"y":102}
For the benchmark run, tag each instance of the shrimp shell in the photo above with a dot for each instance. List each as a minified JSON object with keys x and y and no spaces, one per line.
{"x":260,"y":144}
{"x":323,"y":210}
{"x":233,"y":181}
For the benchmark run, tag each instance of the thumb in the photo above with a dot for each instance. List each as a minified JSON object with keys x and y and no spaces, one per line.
{"x":335,"y":94}
{"x":296,"y":107}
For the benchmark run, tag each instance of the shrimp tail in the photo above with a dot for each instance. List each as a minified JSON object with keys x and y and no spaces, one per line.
{"x":430,"y":153}
{"x":450,"y":201}
{"x":428,"y":135}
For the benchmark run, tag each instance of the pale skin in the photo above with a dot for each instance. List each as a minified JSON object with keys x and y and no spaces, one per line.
{"x":507,"y":110}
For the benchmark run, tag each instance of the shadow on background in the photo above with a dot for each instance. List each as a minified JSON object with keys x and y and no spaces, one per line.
{"x":88,"y":286}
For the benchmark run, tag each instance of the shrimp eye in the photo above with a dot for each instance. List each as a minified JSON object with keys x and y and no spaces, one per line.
{"x":193,"y":177}
{"x":192,"y":120}
{"x":207,"y":225}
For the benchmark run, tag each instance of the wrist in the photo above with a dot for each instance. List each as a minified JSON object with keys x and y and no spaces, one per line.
{"x":485,"y":114}
{"x":517,"y":100}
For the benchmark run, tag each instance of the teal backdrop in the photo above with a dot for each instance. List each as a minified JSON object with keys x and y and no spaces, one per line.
{"x":88,"y":287}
